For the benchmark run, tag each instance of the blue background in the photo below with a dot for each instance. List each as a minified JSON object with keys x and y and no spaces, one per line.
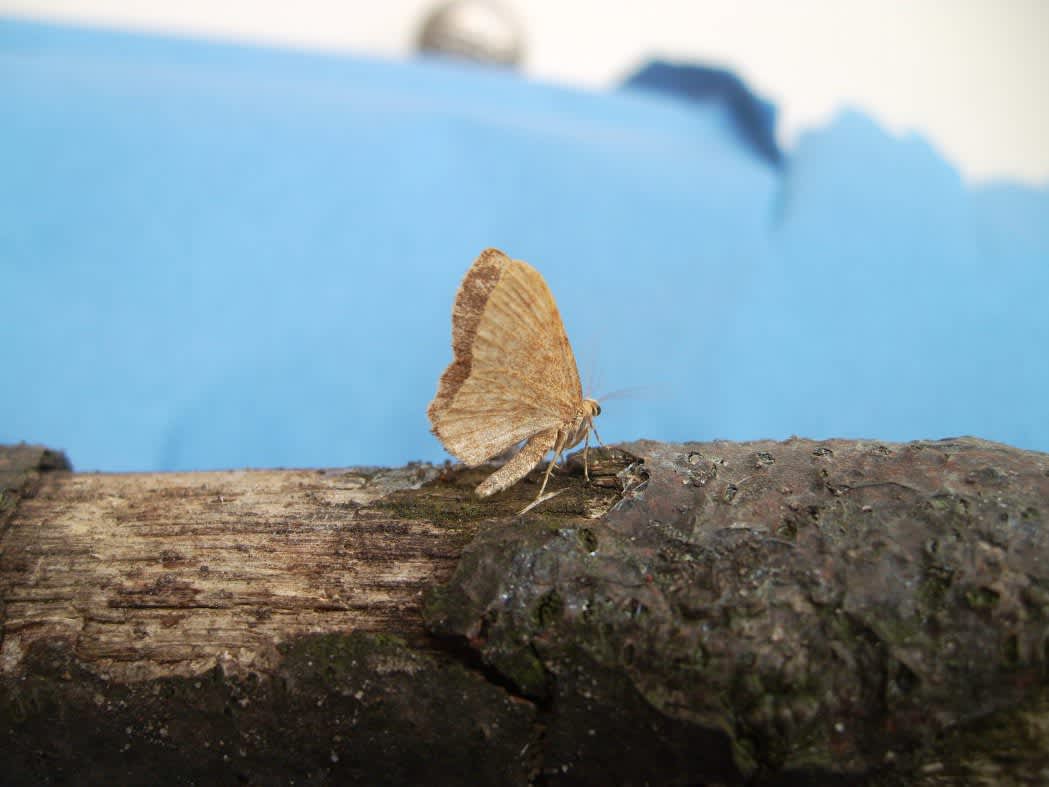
{"x":220,"y":256}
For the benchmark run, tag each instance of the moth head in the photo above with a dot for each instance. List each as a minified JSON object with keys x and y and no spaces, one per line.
{"x":591,"y":407}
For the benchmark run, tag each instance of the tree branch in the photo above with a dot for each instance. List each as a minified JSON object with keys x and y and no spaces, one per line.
{"x":796,"y":612}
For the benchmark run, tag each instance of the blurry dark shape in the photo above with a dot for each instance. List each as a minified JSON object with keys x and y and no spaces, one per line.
{"x":753,"y":116}
{"x":484,"y":32}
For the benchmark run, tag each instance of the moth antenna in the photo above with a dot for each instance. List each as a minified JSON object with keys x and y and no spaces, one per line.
{"x":636,"y":392}
{"x":592,"y":377}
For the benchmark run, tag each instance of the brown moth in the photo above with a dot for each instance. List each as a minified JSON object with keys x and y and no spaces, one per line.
{"x":513,"y":376}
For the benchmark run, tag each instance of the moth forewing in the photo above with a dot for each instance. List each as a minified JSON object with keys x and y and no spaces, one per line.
{"x":513,"y":376}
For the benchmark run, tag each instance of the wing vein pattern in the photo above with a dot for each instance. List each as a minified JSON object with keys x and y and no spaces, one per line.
{"x":513,"y":374}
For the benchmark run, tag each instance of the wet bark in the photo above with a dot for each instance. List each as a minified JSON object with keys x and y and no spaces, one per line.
{"x":795,"y":612}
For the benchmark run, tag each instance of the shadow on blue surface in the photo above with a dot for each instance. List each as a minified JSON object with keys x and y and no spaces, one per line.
{"x":221,"y":256}
{"x":753,"y":118}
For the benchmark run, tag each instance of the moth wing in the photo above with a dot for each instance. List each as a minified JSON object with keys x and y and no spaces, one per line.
{"x":517,"y":376}
{"x":474,"y":292}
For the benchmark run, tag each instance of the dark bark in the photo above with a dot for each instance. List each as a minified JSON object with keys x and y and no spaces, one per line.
{"x":837,"y":612}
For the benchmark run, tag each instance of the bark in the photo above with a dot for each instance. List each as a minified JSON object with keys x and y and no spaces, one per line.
{"x":722,"y":613}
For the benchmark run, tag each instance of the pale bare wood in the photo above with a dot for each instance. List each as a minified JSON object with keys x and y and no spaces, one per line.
{"x":150,"y":575}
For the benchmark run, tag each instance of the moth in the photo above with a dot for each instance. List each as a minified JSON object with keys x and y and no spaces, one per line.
{"x":513,"y":377}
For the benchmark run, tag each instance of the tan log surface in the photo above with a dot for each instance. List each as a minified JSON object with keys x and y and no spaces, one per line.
{"x":151,"y":575}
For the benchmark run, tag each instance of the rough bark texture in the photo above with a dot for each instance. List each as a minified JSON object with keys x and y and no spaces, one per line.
{"x":837,"y":612}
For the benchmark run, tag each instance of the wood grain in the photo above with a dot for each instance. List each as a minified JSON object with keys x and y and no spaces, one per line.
{"x":148,"y":575}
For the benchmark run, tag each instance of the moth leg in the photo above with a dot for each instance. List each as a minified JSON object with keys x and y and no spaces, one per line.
{"x":539,"y":500}
{"x":586,"y":454}
{"x":586,"y":446}
{"x":546,"y":477}
{"x":559,"y":447}
{"x":519,"y":465}
{"x":596,"y":435}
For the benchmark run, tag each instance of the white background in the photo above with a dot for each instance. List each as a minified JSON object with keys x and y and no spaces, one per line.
{"x":972,"y":76}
